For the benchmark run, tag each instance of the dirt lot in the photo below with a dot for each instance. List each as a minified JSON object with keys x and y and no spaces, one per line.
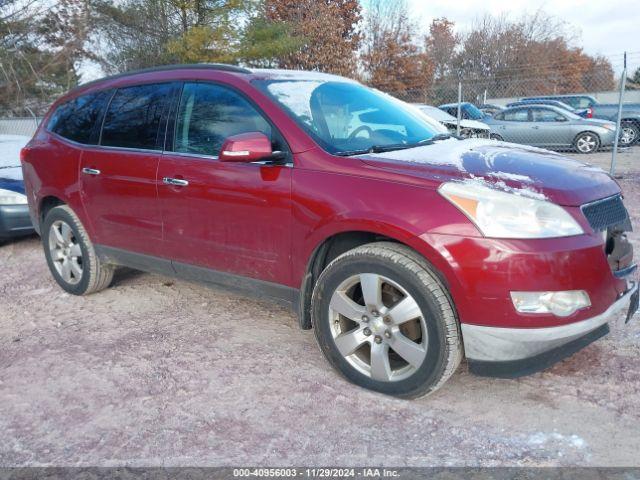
{"x":156,"y":371}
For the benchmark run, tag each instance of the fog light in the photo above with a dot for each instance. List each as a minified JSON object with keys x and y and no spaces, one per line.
{"x":561,"y":304}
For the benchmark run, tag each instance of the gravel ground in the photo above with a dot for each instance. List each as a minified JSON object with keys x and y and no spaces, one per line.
{"x":155,"y":371}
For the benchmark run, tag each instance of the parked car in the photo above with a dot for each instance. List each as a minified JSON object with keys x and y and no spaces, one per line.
{"x":490,"y":108}
{"x":400,"y":246}
{"x":468,"y":128}
{"x":551,"y":127}
{"x":629,"y":123}
{"x":468,"y":111}
{"x":14,"y":211}
{"x":584,"y":112}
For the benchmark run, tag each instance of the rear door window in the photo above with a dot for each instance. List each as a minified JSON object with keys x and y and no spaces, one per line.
{"x":519,"y":115}
{"x":134,"y":117}
{"x":79,"y":119}
{"x":546,"y":115}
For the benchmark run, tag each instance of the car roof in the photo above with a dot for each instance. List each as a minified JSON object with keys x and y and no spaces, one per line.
{"x":564,"y":95}
{"x":241,"y":72}
{"x":536,"y":105}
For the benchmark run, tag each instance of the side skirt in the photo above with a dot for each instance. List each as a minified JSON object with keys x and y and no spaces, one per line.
{"x":252,"y":287}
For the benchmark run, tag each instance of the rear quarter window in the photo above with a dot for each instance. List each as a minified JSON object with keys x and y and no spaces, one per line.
{"x":79,"y":119}
{"x":134,"y":116}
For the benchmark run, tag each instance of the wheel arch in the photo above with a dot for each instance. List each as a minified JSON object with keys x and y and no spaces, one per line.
{"x":45,"y":205}
{"x":334,"y":245}
{"x":597,"y":135}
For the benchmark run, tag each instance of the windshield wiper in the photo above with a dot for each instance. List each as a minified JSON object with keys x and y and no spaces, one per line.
{"x":395,"y":146}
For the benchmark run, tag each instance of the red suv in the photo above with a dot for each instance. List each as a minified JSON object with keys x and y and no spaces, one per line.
{"x":403,"y":247}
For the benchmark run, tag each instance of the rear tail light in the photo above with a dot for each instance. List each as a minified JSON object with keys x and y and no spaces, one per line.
{"x":23,"y":154}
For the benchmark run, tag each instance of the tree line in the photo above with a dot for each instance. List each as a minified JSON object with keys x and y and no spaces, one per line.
{"x":44,"y":46}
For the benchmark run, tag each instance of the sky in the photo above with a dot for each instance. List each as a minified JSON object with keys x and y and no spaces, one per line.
{"x":607,"y":27}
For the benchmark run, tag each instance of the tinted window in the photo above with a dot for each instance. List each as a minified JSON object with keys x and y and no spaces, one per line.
{"x":77,"y":119}
{"x":519,"y":115}
{"x":546,"y":115}
{"x":209,"y":114}
{"x":134,"y":115}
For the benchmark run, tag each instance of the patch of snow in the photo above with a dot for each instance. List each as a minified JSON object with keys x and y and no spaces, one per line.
{"x":11,"y":173}
{"x":541,"y":438}
{"x":296,"y":95}
{"x":527,"y":192}
{"x":10,"y":146}
{"x":446,"y":152}
{"x":511,"y":176}
{"x":301,"y":75}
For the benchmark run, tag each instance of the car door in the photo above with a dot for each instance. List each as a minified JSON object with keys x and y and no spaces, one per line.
{"x":118,"y":176}
{"x":512,"y":125}
{"x":551,"y":128}
{"x":227,"y":217}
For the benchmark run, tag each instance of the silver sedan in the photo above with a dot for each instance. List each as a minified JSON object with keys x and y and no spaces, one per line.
{"x":551,"y":127}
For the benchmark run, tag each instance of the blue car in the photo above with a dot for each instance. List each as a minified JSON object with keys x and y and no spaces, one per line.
{"x":14,"y":211}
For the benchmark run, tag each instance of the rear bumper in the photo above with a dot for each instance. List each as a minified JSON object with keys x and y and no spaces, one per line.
{"x":512,"y":352}
{"x":15,"y":221}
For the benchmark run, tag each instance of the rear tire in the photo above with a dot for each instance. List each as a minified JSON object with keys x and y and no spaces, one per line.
{"x":385,"y":321}
{"x":70,"y":254}
{"x":586,"y":142}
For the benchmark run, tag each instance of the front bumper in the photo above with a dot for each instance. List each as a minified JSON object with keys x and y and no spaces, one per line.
{"x":607,"y":138}
{"x":15,"y":221}
{"x":512,"y":352}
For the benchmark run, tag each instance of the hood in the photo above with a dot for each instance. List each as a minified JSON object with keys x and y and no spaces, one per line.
{"x":11,"y":179}
{"x":597,"y":121}
{"x":475,"y":124}
{"x":520,"y":169}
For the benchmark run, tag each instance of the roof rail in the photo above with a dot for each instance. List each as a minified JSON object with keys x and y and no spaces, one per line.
{"x":162,"y":68}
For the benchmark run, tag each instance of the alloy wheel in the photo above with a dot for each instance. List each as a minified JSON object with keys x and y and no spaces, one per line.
{"x":627,"y":135}
{"x":587,"y":143}
{"x":378,"y":327}
{"x":66,"y":254}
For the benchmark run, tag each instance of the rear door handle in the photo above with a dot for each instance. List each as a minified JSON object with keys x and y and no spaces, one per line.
{"x":178,"y":182}
{"x":91,"y":171}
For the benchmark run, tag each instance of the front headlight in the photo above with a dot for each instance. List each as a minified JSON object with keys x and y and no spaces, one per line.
{"x":501,"y":214}
{"x":7,"y":197}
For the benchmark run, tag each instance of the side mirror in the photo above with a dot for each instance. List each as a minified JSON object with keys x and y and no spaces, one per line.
{"x":248,"y":147}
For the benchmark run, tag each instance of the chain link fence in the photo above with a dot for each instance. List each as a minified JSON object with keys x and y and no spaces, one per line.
{"x":576,"y":114}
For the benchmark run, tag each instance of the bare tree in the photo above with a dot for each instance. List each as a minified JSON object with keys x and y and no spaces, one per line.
{"x":392,"y":57}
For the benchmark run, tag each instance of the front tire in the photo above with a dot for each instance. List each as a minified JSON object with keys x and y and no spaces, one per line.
{"x":586,"y":142}
{"x":70,"y":254}
{"x":384,"y":320}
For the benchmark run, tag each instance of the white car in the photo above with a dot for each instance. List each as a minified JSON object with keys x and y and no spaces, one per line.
{"x":468,"y":128}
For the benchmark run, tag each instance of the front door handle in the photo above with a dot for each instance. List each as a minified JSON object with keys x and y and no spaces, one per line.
{"x":91,"y":171}
{"x":178,"y":182}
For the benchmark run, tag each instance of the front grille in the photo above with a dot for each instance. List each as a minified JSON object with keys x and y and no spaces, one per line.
{"x":606,"y":213}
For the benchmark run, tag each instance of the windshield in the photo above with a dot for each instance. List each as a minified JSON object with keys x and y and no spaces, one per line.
{"x":346,"y":117}
{"x":474,"y":112}
{"x":570,"y":115}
